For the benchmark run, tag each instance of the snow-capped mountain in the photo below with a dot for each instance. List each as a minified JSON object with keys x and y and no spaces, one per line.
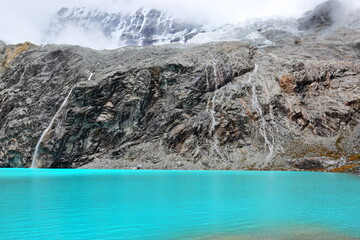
{"x":249,"y":31}
{"x":353,"y":19}
{"x":99,"y":29}
{"x":143,"y":27}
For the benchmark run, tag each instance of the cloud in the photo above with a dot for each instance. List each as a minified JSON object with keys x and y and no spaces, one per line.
{"x":27,"y":20}
{"x":75,"y":35}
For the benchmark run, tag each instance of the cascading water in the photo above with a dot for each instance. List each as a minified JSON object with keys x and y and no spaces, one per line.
{"x":211,"y":110}
{"x":22,"y":77}
{"x":36,"y":153}
{"x":210,"y":107}
{"x":263,"y":130}
{"x":91,"y":74}
{"x":34,"y":162}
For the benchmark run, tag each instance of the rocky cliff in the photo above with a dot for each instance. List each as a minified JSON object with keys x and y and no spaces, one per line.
{"x":291,"y":105}
{"x":288,"y":102}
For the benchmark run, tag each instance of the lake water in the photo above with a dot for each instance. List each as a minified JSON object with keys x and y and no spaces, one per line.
{"x":119,"y":204}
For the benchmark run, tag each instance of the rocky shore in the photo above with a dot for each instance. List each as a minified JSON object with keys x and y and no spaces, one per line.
{"x":293,"y":104}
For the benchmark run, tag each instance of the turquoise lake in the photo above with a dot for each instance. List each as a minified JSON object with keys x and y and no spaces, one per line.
{"x":126,"y":204}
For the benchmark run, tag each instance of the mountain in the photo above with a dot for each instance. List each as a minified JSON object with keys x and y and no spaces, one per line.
{"x":99,"y":29}
{"x":288,"y":102}
{"x":291,"y":106}
{"x":250,"y":31}
{"x":144,"y":27}
{"x":324,"y":15}
{"x":353,"y":19}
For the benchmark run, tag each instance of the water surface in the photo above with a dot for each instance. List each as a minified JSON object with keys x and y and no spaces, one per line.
{"x":112,"y":204}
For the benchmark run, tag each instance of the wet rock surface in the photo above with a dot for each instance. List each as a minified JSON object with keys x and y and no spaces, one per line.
{"x":292,"y":105}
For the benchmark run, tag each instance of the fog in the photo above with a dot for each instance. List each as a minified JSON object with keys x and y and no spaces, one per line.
{"x":27,"y":20}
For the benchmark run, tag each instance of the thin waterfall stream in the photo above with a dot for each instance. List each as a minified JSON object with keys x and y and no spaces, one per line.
{"x":210,"y":107}
{"x":34,"y":161}
{"x":263,"y":130}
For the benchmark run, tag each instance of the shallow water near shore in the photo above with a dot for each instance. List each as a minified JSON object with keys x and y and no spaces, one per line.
{"x":126,"y":204}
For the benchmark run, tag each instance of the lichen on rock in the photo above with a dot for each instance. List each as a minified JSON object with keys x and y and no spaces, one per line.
{"x":14,"y":51}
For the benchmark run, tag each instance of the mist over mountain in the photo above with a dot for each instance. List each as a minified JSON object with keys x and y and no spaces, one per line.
{"x":148,"y":26}
{"x":94,"y":23}
{"x":144,"y":27}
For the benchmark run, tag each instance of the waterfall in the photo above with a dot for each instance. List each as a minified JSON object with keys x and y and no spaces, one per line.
{"x":216,"y":72}
{"x":210,"y":107}
{"x":211,"y":111}
{"x":165,"y":84}
{"x":207,"y":78}
{"x":36,"y":153}
{"x":34,"y":162}
{"x":91,"y":74}
{"x":21,"y":77}
{"x":263,"y":130}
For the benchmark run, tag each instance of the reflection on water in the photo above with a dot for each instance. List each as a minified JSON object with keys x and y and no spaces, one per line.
{"x":109,"y":204}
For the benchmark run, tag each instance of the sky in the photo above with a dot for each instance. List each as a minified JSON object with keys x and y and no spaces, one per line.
{"x":26,"y":20}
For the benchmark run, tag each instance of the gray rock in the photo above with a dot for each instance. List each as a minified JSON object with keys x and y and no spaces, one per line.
{"x":212,"y":106}
{"x":323,"y":16}
{"x":282,"y":37}
{"x":2,"y":46}
{"x":351,"y":142}
{"x":179,"y":164}
{"x":138,"y":167}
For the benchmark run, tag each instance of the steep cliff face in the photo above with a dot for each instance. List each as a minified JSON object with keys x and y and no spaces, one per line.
{"x":290,"y":105}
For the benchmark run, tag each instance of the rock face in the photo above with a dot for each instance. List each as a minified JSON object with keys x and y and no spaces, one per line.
{"x":144,"y":27}
{"x":294,"y":106}
{"x":323,"y":16}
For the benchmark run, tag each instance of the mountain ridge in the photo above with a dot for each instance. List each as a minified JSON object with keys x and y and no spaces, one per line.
{"x":293,"y":104}
{"x":147,"y":26}
{"x":143,"y":27}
